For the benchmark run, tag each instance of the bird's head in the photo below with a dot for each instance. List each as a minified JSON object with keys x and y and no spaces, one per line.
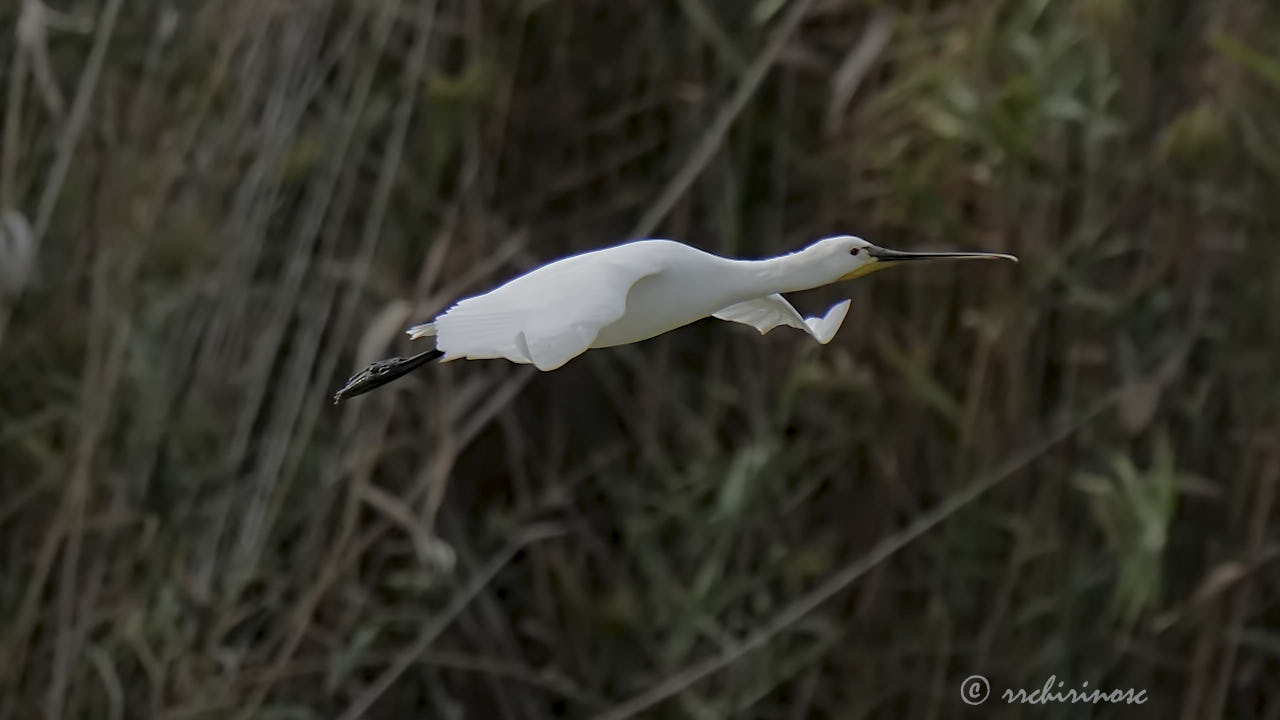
{"x":854,"y":257}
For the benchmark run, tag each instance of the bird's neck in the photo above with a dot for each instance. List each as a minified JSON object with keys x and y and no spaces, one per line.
{"x":788,"y":273}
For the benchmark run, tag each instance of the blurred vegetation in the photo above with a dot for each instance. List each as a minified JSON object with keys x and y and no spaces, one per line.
{"x":215,"y":211}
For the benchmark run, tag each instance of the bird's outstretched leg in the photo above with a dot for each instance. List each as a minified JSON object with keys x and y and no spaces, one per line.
{"x":381,"y":372}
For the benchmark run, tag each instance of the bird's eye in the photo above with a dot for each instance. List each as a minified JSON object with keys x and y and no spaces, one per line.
{"x":854,"y":251}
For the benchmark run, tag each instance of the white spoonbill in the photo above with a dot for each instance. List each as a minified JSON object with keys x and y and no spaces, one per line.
{"x":632,"y":292}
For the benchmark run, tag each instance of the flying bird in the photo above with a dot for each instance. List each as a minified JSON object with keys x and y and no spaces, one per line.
{"x":635,"y":291}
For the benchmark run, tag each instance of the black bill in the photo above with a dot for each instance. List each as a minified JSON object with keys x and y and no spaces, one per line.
{"x":887,"y":255}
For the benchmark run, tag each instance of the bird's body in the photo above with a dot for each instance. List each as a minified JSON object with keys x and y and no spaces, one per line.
{"x":674,"y":294}
{"x":633,"y":292}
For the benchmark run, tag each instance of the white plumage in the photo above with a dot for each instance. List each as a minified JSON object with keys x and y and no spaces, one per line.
{"x":632,"y":292}
{"x":767,"y":313}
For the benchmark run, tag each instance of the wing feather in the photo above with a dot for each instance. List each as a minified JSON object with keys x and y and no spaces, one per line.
{"x":767,"y":313}
{"x":545,"y":317}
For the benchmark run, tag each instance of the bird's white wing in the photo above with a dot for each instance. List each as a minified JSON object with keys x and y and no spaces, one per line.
{"x":766,"y":313}
{"x":545,"y":317}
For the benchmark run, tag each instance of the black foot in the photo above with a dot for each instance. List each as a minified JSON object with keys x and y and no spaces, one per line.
{"x":382,"y":372}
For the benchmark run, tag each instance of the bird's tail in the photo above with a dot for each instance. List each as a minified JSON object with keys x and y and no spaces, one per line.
{"x":421,"y":331}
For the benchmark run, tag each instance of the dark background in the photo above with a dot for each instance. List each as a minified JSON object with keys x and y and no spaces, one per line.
{"x":216,"y":211}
